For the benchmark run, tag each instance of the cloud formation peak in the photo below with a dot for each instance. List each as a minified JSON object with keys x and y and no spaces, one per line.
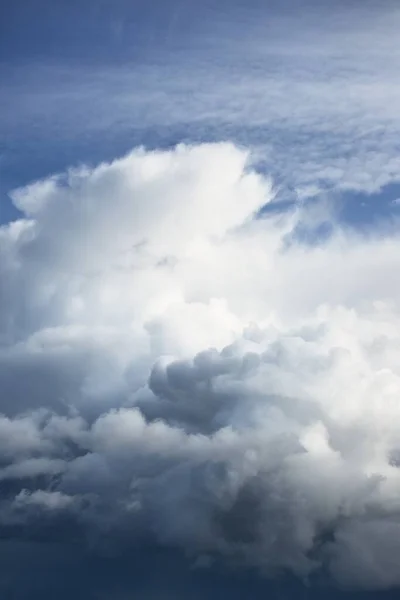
{"x":175,"y":365}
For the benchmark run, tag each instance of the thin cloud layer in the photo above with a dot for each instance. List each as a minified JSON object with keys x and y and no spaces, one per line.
{"x":176,"y":366}
{"x":311,"y":87}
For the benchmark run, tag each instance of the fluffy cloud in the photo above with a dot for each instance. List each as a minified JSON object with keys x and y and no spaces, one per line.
{"x":176,"y":366}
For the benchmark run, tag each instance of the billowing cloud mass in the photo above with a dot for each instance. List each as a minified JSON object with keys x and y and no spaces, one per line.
{"x":176,"y":365}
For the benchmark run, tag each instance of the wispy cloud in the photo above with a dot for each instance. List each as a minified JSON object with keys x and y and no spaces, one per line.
{"x":315,"y":92}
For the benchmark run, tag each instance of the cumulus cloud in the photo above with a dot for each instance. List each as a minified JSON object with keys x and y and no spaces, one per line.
{"x":176,"y":366}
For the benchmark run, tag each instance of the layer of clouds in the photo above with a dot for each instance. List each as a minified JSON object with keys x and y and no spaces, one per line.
{"x":312,"y":87}
{"x":177,"y":368}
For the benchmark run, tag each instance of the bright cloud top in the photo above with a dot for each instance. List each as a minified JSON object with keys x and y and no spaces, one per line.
{"x":174,"y":365}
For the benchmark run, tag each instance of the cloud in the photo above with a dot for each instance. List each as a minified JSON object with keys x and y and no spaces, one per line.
{"x":304,"y":129}
{"x":313,"y":91}
{"x":179,"y":369}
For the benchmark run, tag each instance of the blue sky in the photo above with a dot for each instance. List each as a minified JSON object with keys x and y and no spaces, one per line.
{"x":309,"y":88}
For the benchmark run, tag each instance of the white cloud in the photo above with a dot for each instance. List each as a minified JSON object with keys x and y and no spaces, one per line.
{"x":314,"y":91}
{"x":180,"y":370}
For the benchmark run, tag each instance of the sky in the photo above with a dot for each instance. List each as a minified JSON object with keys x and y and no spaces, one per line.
{"x":199,"y":307}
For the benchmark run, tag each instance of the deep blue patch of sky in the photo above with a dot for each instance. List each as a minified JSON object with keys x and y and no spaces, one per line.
{"x":62,"y":571}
